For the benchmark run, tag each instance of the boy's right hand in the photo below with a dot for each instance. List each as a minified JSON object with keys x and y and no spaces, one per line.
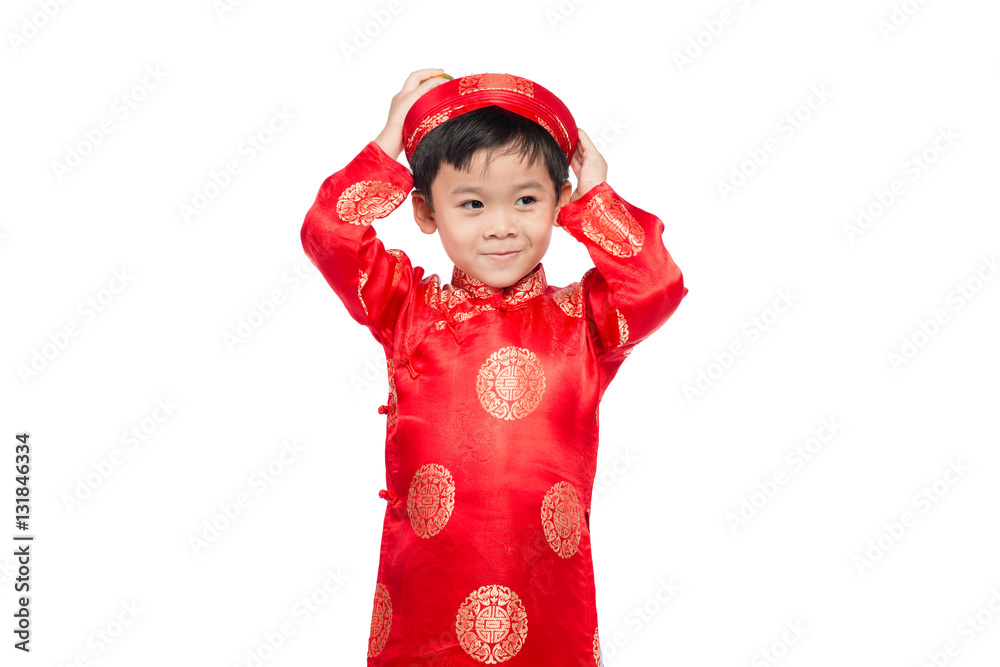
{"x":419,"y":82}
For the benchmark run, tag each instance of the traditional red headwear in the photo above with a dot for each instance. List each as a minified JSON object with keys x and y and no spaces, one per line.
{"x":467,"y":93}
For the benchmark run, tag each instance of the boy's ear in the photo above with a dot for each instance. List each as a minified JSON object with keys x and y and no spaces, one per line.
{"x":564,"y":194}
{"x":422,"y":213}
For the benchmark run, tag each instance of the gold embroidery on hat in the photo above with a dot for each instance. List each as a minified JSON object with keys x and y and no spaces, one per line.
{"x":381,"y":620}
{"x":366,"y":201}
{"x":425,"y":126}
{"x":608,"y":223}
{"x":562,"y":519}
{"x":492,"y":624}
{"x":431,"y":499}
{"x":474,"y":83}
{"x":510,"y":383}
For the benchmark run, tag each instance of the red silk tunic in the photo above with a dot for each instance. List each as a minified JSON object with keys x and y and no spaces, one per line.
{"x":492,"y":422}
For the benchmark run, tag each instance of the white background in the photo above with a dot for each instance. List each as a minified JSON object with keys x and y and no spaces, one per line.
{"x":672,"y":132}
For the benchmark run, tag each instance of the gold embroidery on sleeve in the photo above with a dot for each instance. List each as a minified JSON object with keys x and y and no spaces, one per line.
{"x":622,"y":328}
{"x":362,"y":279}
{"x":381,"y":620}
{"x":366,"y":201}
{"x":511,"y":383}
{"x":608,"y":223}
{"x":597,"y":649}
{"x":562,"y":519}
{"x":570,"y":299}
{"x":492,"y":624}
{"x":431,"y":499}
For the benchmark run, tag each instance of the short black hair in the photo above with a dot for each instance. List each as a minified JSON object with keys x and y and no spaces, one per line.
{"x":457,"y":140}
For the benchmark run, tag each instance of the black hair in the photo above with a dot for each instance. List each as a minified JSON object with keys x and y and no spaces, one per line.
{"x":457,"y":140}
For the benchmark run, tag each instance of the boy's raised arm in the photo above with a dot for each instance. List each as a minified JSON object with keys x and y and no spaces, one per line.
{"x":636,"y":286}
{"x":337,"y":233}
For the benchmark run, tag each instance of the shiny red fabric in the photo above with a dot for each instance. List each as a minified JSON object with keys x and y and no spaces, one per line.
{"x":514,"y":93}
{"x":492,"y":422}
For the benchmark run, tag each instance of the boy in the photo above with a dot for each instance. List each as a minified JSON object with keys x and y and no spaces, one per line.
{"x":495,"y":378}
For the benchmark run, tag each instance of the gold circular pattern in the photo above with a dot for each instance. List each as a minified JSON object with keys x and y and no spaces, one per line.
{"x":608,"y":223}
{"x":431,"y":499}
{"x":366,"y":201}
{"x":511,"y":383}
{"x":362,"y":279}
{"x":381,"y":620}
{"x":597,"y":650}
{"x":562,"y":519}
{"x":492,"y":624}
{"x":391,"y":404}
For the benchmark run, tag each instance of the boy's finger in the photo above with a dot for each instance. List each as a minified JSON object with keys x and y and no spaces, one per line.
{"x":420,"y":75}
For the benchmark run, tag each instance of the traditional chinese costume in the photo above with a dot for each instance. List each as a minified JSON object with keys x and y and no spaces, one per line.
{"x":492,"y":422}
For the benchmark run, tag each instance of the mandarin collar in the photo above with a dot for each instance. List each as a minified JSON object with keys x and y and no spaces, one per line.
{"x":512,"y":296}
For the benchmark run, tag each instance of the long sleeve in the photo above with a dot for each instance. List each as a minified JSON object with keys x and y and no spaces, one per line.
{"x":339,"y":239}
{"x":636,"y":286}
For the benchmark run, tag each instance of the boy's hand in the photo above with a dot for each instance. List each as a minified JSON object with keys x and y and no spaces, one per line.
{"x":418,"y":83}
{"x":589,"y":166}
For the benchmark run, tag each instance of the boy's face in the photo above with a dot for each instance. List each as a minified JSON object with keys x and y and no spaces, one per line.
{"x":495,"y":224}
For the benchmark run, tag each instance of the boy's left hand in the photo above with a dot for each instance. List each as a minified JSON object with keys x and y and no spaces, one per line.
{"x":589,"y":166}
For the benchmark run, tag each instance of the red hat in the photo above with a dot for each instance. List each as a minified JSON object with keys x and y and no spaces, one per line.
{"x":467,"y":93}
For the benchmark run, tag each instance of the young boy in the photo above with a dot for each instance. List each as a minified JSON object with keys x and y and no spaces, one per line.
{"x":494,"y":379}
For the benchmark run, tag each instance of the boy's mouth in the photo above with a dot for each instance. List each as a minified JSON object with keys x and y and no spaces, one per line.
{"x":502,"y":256}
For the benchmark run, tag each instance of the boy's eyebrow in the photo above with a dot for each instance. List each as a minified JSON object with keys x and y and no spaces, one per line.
{"x":524,"y":185}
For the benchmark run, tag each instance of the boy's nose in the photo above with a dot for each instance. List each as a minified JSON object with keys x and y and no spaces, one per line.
{"x":502,"y":225}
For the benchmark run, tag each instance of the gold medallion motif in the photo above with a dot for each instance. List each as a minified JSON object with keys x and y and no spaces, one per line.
{"x":366,"y":201}
{"x":597,"y":650}
{"x":431,"y":499}
{"x":562,"y":517}
{"x":570,"y":299}
{"x":492,"y":624}
{"x":381,"y":620}
{"x":608,"y":223}
{"x":477,"y":82}
{"x":510,"y":383}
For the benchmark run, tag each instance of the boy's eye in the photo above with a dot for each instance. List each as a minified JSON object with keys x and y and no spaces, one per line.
{"x":532,"y":200}
{"x":471,"y":201}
